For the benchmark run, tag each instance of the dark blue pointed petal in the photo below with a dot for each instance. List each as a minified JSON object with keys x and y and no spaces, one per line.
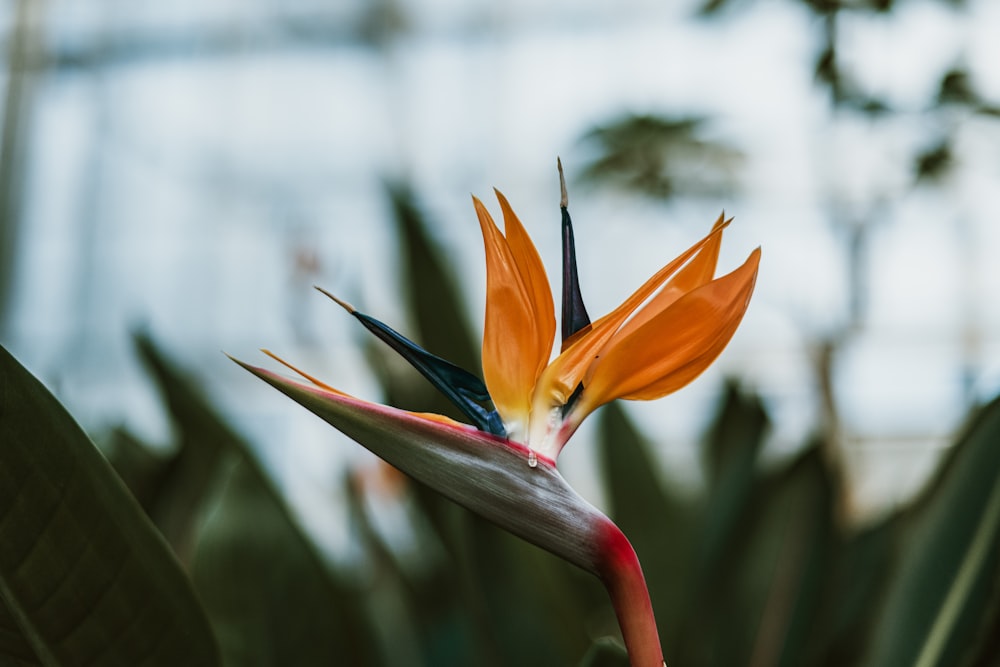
{"x":461,"y":387}
{"x":574,"y":313}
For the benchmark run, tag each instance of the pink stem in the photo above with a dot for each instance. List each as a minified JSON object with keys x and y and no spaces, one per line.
{"x":622,"y":576}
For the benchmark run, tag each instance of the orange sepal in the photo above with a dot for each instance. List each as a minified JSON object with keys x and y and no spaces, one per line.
{"x":699,"y":271}
{"x":676,"y":345}
{"x":567,"y":370}
{"x":532,"y":271}
{"x":513,"y":351}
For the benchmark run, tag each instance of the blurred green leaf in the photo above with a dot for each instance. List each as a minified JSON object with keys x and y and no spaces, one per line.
{"x":270,"y":595}
{"x":539,"y":607}
{"x":405,"y":598}
{"x":730,"y":454}
{"x":659,"y":525}
{"x":765,"y":600}
{"x":661,"y":157}
{"x":82,"y":571}
{"x":142,"y":468}
{"x":605,"y":653}
{"x":439,"y":315}
{"x":945,"y":589}
{"x":192,"y":473}
{"x":271,"y":599}
{"x":854,"y":588}
{"x":429,"y":286}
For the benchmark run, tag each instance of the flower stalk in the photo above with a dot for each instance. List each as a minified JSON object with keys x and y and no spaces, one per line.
{"x":622,"y":577}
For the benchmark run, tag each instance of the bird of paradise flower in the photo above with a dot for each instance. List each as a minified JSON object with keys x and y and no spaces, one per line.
{"x":503,"y":466}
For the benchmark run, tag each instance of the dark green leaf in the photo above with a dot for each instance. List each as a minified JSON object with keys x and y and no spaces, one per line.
{"x":855,"y":585}
{"x":141,"y":468}
{"x":14,"y":648}
{"x":82,"y":570}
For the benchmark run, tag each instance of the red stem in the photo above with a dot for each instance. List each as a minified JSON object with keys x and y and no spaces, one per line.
{"x":622,"y":576}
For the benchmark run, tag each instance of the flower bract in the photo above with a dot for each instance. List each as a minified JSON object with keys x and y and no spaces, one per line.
{"x":529,"y":403}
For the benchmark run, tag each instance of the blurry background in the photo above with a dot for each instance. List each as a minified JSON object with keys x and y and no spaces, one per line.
{"x":175,"y":177}
{"x":191,"y":169}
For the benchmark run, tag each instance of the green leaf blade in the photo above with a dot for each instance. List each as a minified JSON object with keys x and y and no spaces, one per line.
{"x":83,"y":573}
{"x":939,"y":603}
{"x":271,"y":597}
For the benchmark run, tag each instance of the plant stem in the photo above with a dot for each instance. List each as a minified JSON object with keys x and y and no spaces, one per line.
{"x":622,"y":576}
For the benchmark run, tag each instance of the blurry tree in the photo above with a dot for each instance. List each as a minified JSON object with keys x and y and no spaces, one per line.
{"x":661,"y":157}
{"x":933,"y":163}
{"x":938,"y":166}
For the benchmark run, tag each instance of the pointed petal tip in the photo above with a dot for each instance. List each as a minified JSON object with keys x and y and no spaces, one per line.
{"x":343,"y":304}
{"x":722,"y":221}
{"x":244,"y":364}
{"x":253,"y":369}
{"x":235,"y":360}
{"x":480,"y":208}
{"x":504,"y":204}
{"x":563,"y":194}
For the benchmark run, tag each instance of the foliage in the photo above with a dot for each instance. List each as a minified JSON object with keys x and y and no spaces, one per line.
{"x":758,"y":569}
{"x":661,"y":157}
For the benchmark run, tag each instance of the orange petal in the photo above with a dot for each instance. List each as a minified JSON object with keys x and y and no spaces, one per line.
{"x":532,"y":271}
{"x":694,"y":274}
{"x":567,"y":370}
{"x":676,"y":345}
{"x":513,"y":349}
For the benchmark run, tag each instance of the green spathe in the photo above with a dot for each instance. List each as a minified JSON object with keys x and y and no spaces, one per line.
{"x":489,"y":475}
{"x":502,"y":481}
